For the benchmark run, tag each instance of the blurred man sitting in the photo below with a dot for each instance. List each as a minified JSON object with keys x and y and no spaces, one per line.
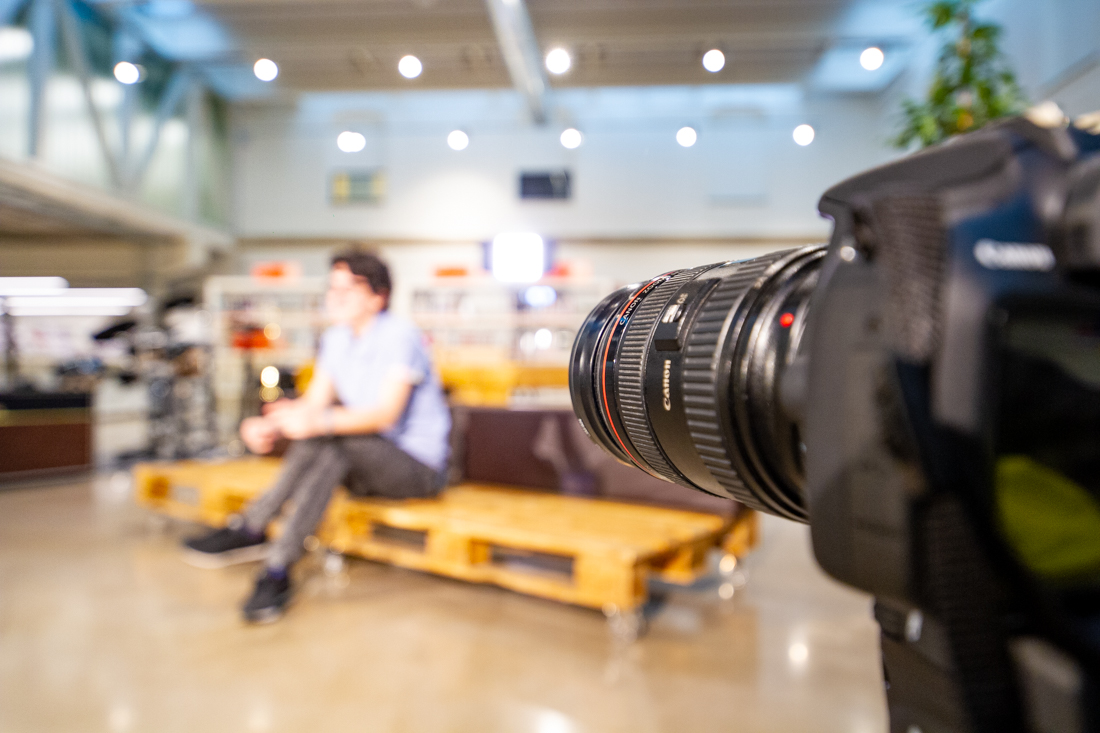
{"x":373,"y":417}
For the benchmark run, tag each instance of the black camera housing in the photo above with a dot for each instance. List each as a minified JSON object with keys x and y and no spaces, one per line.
{"x":899,"y":390}
{"x":924,"y":391}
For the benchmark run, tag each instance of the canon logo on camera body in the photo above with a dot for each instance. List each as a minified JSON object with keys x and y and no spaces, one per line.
{"x":994,"y":255}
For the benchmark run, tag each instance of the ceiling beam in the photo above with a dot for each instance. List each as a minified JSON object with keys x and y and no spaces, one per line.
{"x":72,"y":207}
{"x":521,"y":52}
{"x":78,"y":58}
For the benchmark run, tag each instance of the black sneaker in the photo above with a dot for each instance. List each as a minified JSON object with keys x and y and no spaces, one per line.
{"x":224,"y":547}
{"x":269,"y":599}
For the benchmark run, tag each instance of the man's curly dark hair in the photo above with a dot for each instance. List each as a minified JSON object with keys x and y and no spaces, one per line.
{"x":368,"y":266}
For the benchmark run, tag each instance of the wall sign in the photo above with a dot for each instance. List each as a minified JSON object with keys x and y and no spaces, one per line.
{"x":357,"y":187}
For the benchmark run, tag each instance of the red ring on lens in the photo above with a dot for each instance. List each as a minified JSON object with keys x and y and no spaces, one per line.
{"x":603,"y":368}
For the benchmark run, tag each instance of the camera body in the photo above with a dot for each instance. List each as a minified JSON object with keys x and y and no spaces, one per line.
{"x":924,"y":391}
{"x":905,"y":401}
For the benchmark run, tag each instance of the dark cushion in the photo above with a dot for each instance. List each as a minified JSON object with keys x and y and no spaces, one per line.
{"x":547,"y":450}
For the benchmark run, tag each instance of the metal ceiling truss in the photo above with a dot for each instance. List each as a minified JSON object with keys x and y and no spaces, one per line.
{"x":126,"y":167}
{"x":521,"y":53}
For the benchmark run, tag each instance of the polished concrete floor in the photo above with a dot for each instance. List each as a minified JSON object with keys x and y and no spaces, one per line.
{"x":103,"y":628}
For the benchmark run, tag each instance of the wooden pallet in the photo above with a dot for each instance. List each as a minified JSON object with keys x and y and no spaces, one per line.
{"x":582,"y":551}
{"x":587,"y":552}
{"x":203,"y":491}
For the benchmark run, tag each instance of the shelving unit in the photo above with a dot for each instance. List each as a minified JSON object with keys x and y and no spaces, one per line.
{"x":493,"y":343}
{"x":290,"y":310}
{"x":498,"y":343}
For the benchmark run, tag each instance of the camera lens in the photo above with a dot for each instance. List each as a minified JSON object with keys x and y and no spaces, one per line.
{"x":680,"y":376}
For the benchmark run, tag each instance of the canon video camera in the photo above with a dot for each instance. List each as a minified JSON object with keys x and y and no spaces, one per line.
{"x":924,"y":391}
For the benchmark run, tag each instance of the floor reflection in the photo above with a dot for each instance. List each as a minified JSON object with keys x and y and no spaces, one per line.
{"x":103,"y":628}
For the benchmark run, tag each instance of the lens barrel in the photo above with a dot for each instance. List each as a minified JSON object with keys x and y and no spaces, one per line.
{"x":680,"y":377}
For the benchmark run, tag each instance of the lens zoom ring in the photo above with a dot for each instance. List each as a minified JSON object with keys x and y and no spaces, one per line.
{"x":700,"y":375}
{"x":630,"y":368}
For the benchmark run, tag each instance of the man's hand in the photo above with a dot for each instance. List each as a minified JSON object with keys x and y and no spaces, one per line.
{"x":296,"y":419}
{"x":293,"y":419}
{"x":259,"y":434}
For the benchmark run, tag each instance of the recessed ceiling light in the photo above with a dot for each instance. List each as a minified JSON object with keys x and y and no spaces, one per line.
{"x":558,"y":61}
{"x":127,"y":73}
{"x":16,"y":44}
{"x":871,"y":58}
{"x":686,"y":136}
{"x":572,"y":138}
{"x":351,"y":142}
{"x":458,"y":140}
{"x":714,"y":60}
{"x":265,"y":69}
{"x":803,"y":135}
{"x":410,"y":67}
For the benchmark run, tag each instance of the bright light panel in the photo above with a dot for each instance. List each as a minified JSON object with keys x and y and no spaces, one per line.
{"x":540,"y":296}
{"x":686,"y":136}
{"x":16,"y":44}
{"x":265,"y":70}
{"x":127,"y":73}
{"x":410,"y":67}
{"x":572,"y":138}
{"x":458,"y":140}
{"x":871,"y":58}
{"x":77,"y":297}
{"x":351,"y":142}
{"x":714,"y":60}
{"x":517,"y":257}
{"x":58,"y":310}
{"x":76,"y":302}
{"x":803,"y":135}
{"x":32,"y":285}
{"x":558,"y":61}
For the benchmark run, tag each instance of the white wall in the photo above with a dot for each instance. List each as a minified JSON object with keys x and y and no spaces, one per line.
{"x":744,"y":178}
{"x":1055,"y":49}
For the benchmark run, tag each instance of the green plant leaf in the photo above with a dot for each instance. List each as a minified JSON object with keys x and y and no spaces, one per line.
{"x":941,"y":13}
{"x":971,"y":82}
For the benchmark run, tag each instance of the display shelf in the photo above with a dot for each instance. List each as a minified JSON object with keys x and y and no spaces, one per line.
{"x":286,"y":318}
{"x":457,"y":313}
{"x":493,"y":341}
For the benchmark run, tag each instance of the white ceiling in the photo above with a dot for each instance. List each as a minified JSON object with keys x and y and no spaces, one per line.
{"x":355,"y":44}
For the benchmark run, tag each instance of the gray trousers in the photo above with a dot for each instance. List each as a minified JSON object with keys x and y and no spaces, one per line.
{"x":369,"y":465}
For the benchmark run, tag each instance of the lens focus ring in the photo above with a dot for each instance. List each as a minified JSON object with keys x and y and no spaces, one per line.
{"x":701,"y":374}
{"x":630,"y":372}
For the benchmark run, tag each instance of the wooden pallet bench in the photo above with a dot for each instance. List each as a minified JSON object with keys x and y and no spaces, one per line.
{"x":582,"y":551}
{"x":207,"y":492}
{"x":587,"y":552}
